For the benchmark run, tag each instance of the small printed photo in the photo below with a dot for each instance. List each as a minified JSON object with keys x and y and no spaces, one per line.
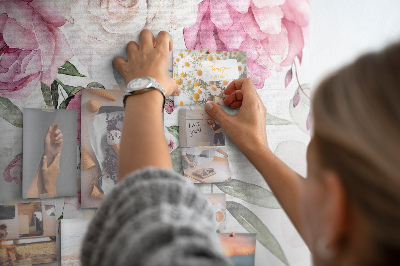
{"x":49,"y":153}
{"x":102,"y":115}
{"x":203,"y":75}
{"x":27,"y":234}
{"x":72,"y":234}
{"x":218,"y":201}
{"x":206,"y":165}
{"x":240,"y":248}
{"x":197,"y":128}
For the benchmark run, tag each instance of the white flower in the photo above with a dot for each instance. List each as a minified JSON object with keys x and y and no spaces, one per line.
{"x":107,"y":24}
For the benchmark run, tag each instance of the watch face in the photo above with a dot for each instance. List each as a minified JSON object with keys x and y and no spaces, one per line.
{"x":141,"y":83}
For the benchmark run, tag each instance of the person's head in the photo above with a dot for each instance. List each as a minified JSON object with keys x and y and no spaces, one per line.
{"x":3,"y":226}
{"x":210,"y":121}
{"x":351,"y":198}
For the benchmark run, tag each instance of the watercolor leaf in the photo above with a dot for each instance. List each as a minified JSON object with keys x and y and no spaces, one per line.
{"x":253,"y":224}
{"x":69,"y":69}
{"x":250,"y":193}
{"x":296,"y":99}
{"x":288,"y":77}
{"x":118,"y":77}
{"x":10,"y":112}
{"x":74,"y":91}
{"x":95,"y":85}
{"x":46,"y":92}
{"x":54,"y":93}
{"x":300,"y":56}
{"x":176,"y":158}
{"x":174,"y":131}
{"x":273,"y":120}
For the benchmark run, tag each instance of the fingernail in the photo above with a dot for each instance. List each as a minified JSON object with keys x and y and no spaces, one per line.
{"x":44,"y":157}
{"x":179,"y":89}
{"x":209,"y":106}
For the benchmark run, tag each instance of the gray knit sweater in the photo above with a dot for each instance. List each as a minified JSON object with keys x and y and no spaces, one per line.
{"x":153,"y":217}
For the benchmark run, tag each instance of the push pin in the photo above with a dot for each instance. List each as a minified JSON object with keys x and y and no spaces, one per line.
{"x":232,"y":234}
{"x":208,"y":51}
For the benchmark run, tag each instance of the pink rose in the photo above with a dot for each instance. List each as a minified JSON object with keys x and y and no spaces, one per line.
{"x":32,"y":47}
{"x":271,"y":32}
{"x":169,"y":107}
{"x":13,"y":170}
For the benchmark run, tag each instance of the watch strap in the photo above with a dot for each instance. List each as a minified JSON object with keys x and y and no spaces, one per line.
{"x":153,"y":86}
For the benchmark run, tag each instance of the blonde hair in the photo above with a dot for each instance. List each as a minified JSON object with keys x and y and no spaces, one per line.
{"x":356,"y":115}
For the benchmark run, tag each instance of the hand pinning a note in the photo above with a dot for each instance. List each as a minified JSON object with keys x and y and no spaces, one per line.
{"x":203,"y":75}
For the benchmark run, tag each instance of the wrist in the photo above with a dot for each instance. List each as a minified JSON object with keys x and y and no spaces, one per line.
{"x":150,"y":99}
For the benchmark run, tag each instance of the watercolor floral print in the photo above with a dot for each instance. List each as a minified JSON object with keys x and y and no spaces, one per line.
{"x":52,"y":50}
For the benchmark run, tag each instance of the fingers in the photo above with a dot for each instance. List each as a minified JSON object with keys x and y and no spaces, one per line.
{"x":164,"y":41}
{"x":217,"y":113}
{"x":54,"y":129}
{"x":245,"y":85}
{"x":59,"y":136}
{"x":48,"y":132}
{"x":236,"y":96}
{"x":119,"y":63}
{"x":177,"y":92}
{"x":60,"y":142}
{"x":44,"y":163}
{"x":131,"y":48}
{"x":146,"y":40}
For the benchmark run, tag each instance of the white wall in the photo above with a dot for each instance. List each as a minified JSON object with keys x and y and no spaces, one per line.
{"x":341,"y":30}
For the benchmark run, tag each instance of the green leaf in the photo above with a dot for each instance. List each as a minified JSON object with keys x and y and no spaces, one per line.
{"x":253,"y":224}
{"x":54,"y":93}
{"x":95,"y":85}
{"x":74,"y":91}
{"x":10,"y":112}
{"x":250,"y":193}
{"x":46,"y":92}
{"x":174,"y":130}
{"x":69,"y":69}
{"x":176,"y":158}
{"x":273,"y":120}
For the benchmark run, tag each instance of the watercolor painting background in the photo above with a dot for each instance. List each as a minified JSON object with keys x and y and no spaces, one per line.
{"x":52,"y":50}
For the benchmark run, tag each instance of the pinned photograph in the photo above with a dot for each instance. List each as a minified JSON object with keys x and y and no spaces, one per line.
{"x":239,"y":247}
{"x":218,"y":202}
{"x":197,"y":128}
{"x":203,"y":75}
{"x":27,"y":234}
{"x":72,"y":234}
{"x":102,"y":114}
{"x":49,"y":153}
{"x":206,"y":164}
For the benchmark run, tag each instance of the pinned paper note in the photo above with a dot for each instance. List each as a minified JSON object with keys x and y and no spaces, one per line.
{"x":203,"y":76}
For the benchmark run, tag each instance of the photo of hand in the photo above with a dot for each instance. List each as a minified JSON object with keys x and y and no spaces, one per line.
{"x":44,"y":182}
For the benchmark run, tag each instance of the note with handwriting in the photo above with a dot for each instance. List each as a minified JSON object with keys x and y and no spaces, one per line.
{"x":203,"y":74}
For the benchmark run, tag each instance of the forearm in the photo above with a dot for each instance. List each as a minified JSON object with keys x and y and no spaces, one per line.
{"x":36,"y":186}
{"x":143,"y":141}
{"x":283,"y":181}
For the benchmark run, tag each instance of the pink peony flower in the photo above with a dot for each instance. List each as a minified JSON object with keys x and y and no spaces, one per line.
{"x":271,"y":32}
{"x":75,"y":103}
{"x":32,"y":47}
{"x":170,"y":107}
{"x":13,"y":170}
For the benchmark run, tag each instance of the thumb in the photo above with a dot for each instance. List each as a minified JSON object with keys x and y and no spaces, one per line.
{"x":217,"y":113}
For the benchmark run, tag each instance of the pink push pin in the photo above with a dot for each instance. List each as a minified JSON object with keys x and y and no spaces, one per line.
{"x":232,"y":234}
{"x":208,"y":51}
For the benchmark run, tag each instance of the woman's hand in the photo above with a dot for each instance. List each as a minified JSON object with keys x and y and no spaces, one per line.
{"x":150,"y":59}
{"x":50,"y":174}
{"x":53,"y":142}
{"x":247,"y":129}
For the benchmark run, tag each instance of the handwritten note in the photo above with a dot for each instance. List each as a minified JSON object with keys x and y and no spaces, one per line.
{"x":219,"y":70}
{"x":194,"y":128}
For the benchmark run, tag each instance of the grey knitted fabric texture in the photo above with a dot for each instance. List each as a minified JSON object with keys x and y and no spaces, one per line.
{"x":153,"y":217}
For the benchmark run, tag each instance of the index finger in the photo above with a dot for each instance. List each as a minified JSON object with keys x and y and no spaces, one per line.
{"x":55,"y":127}
{"x":164,"y":41}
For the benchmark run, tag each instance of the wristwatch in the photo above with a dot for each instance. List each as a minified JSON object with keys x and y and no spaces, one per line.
{"x":142,"y":85}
